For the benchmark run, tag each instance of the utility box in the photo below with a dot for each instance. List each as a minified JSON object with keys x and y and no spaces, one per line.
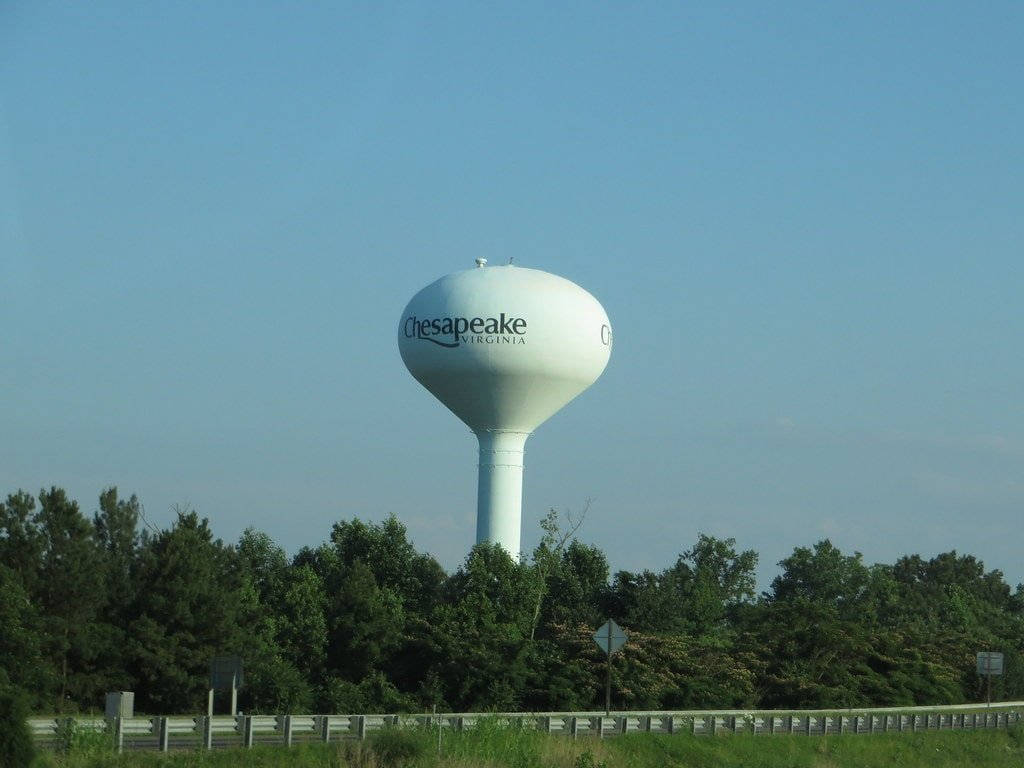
{"x":120,"y":704}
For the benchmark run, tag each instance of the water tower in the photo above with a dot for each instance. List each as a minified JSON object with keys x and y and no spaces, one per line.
{"x":504,"y":348}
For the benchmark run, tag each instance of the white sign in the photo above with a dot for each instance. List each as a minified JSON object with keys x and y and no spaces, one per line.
{"x":610,"y":637}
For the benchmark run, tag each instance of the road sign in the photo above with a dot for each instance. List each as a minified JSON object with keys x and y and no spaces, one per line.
{"x":610,"y":637}
{"x":990,"y":663}
{"x":226,"y":673}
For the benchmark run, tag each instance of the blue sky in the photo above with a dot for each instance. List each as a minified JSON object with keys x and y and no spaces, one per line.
{"x":803,"y":220}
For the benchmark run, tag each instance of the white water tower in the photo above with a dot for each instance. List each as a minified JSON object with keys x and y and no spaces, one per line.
{"x":504,"y":348}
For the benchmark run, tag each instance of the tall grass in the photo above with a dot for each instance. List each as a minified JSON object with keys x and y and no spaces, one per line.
{"x":493,"y":745}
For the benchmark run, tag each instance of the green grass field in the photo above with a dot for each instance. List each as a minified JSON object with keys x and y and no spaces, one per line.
{"x":490,"y":746}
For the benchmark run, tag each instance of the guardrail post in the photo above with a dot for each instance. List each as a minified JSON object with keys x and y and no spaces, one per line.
{"x":164,"y":735}
{"x":361,"y":727}
{"x":573,"y":727}
{"x":286,"y":727}
{"x":771,"y":723}
{"x":693,"y":724}
{"x":714,"y":725}
{"x":118,"y":734}
{"x":325,"y":729}
{"x":247,"y":731}
{"x":207,"y":732}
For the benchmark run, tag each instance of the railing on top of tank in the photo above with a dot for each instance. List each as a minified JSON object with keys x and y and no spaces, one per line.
{"x":177,"y":732}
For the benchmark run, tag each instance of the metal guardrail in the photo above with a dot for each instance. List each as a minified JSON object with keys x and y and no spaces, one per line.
{"x":200,"y":732}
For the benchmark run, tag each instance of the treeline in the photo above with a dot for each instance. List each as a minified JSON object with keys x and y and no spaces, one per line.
{"x":365,"y":623}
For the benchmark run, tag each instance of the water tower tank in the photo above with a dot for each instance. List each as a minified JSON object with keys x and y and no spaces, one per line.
{"x":504,"y":348}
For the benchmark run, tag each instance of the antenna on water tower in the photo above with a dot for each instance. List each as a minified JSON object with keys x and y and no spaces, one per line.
{"x":504,"y":348}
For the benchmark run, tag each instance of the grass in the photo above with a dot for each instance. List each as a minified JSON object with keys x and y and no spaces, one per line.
{"x":493,"y":746}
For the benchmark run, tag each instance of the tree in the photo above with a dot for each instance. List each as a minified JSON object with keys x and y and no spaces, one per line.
{"x":22,"y":664}
{"x":71,"y":593}
{"x":482,"y":631}
{"x":365,"y":624}
{"x":16,"y":746}
{"x":695,"y":596}
{"x":820,"y":635}
{"x":21,"y":541}
{"x":274,"y":680}
{"x":712,"y":580}
{"x":414,"y":578}
{"x":547,"y":557}
{"x":114,"y":527}
{"x":189,"y":592}
{"x":578,"y":591}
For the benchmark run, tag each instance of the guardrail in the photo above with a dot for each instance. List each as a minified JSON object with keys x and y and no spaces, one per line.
{"x":200,"y":732}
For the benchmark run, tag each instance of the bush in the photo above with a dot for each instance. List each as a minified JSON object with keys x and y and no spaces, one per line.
{"x":1016,"y":734}
{"x":16,"y":747}
{"x":397,"y":747}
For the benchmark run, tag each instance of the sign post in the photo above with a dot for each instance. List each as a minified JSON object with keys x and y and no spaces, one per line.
{"x":609,"y":638}
{"x":990,"y":663}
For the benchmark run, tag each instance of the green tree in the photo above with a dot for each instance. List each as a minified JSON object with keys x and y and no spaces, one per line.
{"x":190,"y":589}
{"x":115,"y":528}
{"x":22,"y":664}
{"x":578,"y":590}
{"x":819,"y":633}
{"x":712,"y":580}
{"x":414,"y":578}
{"x":274,"y":680}
{"x":21,"y":541}
{"x":365,"y":624}
{"x":482,"y":630}
{"x":71,"y":594}
{"x":302,"y":628}
{"x":697,"y":595}
{"x":16,"y":747}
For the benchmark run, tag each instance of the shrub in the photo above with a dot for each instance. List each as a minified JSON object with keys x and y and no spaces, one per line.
{"x":398,"y":747}
{"x":16,"y":747}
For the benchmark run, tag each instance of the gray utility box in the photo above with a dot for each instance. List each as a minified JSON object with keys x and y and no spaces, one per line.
{"x":121,"y":704}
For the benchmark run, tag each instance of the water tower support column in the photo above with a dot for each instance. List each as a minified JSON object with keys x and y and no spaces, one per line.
{"x":499,"y":501}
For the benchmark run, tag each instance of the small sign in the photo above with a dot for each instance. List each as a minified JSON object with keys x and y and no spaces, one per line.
{"x":226,"y":673}
{"x":610,"y":637}
{"x":990,"y":663}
